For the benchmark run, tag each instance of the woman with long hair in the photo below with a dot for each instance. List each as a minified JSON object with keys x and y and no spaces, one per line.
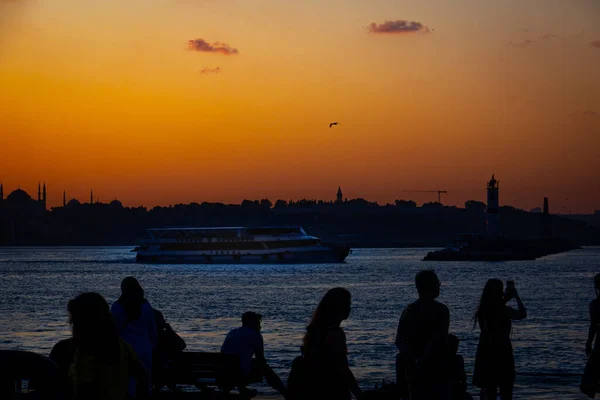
{"x":494,"y":362}
{"x":134,"y":319}
{"x":103,"y":363}
{"x":325,"y":351}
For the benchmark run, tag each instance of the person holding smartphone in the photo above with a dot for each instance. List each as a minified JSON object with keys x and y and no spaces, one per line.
{"x":494,"y":362}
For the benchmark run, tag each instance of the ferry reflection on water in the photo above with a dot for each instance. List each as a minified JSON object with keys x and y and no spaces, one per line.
{"x":233,"y":245}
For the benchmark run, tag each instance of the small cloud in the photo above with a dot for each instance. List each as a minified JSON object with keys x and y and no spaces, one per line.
{"x":595,"y":43}
{"x":209,"y":70}
{"x":590,"y":113}
{"x":527,"y":42}
{"x":524,"y":43}
{"x":216,"y":47}
{"x":398,"y":27}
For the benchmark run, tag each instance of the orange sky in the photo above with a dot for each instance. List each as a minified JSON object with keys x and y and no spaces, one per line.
{"x":108,"y":95}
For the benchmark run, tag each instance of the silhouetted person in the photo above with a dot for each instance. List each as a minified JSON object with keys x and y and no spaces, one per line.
{"x":103,"y":363}
{"x":247,"y":343}
{"x":63,"y":354}
{"x":168,"y":345}
{"x":422,"y":340}
{"x":327,"y":374}
{"x":494,"y":362}
{"x":594,"y":319}
{"x":457,"y":374}
{"x":135,"y":323}
{"x":591,"y":375}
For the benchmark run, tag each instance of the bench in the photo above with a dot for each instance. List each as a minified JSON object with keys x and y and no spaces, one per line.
{"x":208,"y":372}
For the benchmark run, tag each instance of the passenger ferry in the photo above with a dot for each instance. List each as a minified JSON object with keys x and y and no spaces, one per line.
{"x":235,"y":245}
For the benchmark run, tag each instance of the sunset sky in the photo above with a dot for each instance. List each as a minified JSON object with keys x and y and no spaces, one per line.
{"x":157,"y":102}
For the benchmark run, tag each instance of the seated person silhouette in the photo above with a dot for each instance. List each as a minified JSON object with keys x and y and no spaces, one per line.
{"x":168,"y":345}
{"x":247,"y":343}
{"x":457,"y":374}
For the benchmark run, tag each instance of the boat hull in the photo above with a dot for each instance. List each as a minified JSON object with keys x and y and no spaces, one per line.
{"x":334,"y":254}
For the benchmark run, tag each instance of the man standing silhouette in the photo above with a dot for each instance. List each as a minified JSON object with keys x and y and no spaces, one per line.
{"x":422,"y":341}
{"x":247,"y":343}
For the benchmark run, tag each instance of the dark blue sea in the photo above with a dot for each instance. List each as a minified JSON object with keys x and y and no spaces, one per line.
{"x":202,"y":302}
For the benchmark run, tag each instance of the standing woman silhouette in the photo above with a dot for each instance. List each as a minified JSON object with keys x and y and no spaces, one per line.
{"x":494,"y":362}
{"x":325,"y":352}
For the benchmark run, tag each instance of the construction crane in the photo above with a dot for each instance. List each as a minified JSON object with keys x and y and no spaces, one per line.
{"x":439,"y":193}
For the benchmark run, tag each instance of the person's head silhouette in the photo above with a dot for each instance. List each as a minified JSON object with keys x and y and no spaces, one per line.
{"x":252,"y":320}
{"x":597,"y":284}
{"x":428,"y":284}
{"x":493,"y":294}
{"x":93,"y":326}
{"x":132,"y":298}
{"x":333,"y":308}
{"x":130,"y":287}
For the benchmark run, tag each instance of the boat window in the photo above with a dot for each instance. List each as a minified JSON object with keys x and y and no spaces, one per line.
{"x":238,"y":245}
{"x":275,"y":231}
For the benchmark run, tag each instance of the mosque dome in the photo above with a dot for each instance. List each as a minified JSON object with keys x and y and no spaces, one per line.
{"x":19,"y":196}
{"x":116,"y":203}
{"x":73,"y":203}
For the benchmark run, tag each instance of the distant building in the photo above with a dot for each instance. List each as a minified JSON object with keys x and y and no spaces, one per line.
{"x":20,"y":203}
{"x":536,"y":210}
{"x":493,"y":208}
{"x":340,"y":196}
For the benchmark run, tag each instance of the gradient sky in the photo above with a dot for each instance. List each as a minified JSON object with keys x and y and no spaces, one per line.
{"x":109,"y":95}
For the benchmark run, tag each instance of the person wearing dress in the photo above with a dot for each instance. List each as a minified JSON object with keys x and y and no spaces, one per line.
{"x":494,"y":361}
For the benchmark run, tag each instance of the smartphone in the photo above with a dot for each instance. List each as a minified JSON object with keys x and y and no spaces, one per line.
{"x":510,"y":285}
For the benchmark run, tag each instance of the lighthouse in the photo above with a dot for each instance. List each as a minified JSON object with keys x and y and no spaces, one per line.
{"x":493,"y":208}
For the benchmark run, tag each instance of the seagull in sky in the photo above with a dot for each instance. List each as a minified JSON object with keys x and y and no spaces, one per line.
{"x":333,"y":123}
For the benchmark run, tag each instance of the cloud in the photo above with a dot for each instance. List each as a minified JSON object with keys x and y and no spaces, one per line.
{"x":398,"y":26}
{"x":590,"y":113}
{"x":216,"y":47}
{"x":595,"y":43}
{"x":527,"y":42}
{"x":209,"y":70}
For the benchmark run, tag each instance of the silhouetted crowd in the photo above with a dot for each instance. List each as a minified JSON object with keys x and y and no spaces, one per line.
{"x":121,"y":352}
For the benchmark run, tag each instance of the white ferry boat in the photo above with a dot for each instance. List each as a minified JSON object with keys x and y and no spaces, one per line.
{"x":235,"y":245}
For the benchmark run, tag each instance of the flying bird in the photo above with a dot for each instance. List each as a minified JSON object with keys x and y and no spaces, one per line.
{"x":333,"y":123}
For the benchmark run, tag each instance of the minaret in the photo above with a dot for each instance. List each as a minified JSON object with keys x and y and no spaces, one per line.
{"x":39,"y":192}
{"x":44,"y":196}
{"x":493,"y":208}
{"x":91,"y":197}
{"x":546,"y":222}
{"x":64,"y":198}
{"x":1,"y":192}
{"x":339,"y":195}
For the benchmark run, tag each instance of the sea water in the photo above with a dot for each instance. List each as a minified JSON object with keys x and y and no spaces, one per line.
{"x":203,"y":302}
